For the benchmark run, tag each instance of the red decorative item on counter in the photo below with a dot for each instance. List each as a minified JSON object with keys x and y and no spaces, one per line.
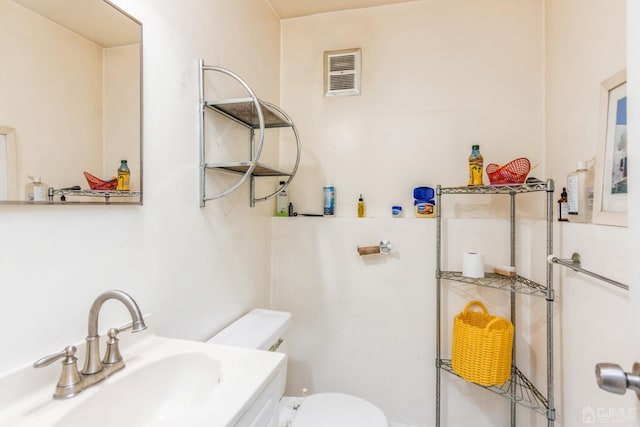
{"x":99,"y":184}
{"x":513,"y":173}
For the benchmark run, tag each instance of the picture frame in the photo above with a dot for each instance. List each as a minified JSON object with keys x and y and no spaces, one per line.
{"x":610,"y":185}
{"x":8,"y":175}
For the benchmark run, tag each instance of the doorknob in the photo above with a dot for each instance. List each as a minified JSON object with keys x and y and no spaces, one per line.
{"x":613,"y":379}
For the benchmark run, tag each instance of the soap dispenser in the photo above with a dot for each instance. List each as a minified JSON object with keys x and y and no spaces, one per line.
{"x":36,"y":191}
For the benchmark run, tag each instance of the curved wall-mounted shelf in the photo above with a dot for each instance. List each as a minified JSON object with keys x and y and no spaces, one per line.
{"x":254,"y":114}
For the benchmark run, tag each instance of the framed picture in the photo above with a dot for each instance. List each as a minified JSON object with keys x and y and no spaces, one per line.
{"x":610,"y":192}
{"x":8,"y":176}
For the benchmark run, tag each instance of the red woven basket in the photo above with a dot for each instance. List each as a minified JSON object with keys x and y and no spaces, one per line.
{"x":96,"y":183}
{"x":513,"y":173}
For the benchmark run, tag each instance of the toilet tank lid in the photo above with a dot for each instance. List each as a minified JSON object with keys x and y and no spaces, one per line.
{"x":258,"y":329}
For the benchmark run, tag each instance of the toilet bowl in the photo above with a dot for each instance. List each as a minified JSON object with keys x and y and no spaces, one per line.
{"x":264,"y":330}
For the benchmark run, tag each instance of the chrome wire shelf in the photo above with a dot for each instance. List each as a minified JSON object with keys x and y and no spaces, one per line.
{"x":516,"y":284}
{"x":243,"y":111}
{"x":243,"y":166}
{"x":97,"y":193}
{"x":495,"y":189}
{"x":517,"y":389}
{"x":107,"y":195}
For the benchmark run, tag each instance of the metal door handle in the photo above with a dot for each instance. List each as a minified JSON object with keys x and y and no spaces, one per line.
{"x":613,"y":379}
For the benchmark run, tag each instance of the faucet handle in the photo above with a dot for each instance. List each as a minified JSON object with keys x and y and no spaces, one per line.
{"x":69,"y":383}
{"x":68,"y":353}
{"x":112,"y":355}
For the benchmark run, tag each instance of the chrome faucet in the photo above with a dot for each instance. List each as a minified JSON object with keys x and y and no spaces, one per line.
{"x":73,"y":382}
{"x":92,"y":363}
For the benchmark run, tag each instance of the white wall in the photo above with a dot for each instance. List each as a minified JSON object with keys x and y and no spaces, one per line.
{"x":194,"y":268}
{"x":633,"y":86}
{"x":437,"y":77}
{"x":189,"y":266}
{"x":419,"y":111}
{"x":366,"y":325}
{"x":583,"y":49}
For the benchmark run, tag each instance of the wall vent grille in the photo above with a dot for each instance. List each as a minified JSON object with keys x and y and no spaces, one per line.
{"x":342,"y":69}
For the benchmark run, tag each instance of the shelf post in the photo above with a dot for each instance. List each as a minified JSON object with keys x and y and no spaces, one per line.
{"x":201,"y":126}
{"x":438,"y":299}
{"x":512,"y":246}
{"x":551,"y":414}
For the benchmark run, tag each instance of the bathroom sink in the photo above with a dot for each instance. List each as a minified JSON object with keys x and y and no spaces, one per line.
{"x":166,"y":382}
{"x":159,"y":393}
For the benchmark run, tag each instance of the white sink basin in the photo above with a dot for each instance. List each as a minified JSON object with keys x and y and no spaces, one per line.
{"x":158,"y":393}
{"x":166,"y":382}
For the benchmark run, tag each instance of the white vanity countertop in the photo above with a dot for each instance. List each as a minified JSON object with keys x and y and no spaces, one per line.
{"x":26,"y":393}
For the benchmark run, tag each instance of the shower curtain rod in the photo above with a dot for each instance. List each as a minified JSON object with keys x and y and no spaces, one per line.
{"x":574,"y":264}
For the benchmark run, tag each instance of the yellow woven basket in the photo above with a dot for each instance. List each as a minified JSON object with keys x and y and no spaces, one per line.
{"x":482,"y":345}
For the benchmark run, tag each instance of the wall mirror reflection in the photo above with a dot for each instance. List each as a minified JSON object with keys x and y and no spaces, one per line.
{"x":70,"y":95}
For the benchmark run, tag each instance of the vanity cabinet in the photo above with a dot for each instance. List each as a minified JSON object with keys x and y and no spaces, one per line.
{"x":264,"y":411}
{"x":518,"y":389}
{"x":257,"y":116}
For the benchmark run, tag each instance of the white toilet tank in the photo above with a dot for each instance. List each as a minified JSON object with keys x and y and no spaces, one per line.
{"x":259,"y":329}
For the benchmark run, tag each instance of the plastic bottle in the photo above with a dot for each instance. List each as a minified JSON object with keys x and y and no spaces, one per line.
{"x":36,"y":191}
{"x":361,"y":211}
{"x":282,"y":202}
{"x":475,"y":166}
{"x":329,"y":200}
{"x":123,"y":176}
{"x":563,"y":206}
{"x":580,"y":194}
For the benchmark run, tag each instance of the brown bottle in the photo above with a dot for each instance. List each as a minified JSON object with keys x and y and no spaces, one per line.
{"x":563,"y":206}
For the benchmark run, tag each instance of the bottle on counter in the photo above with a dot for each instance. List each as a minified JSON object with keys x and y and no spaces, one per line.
{"x":123,"y":176}
{"x":563,"y":206}
{"x":361,"y":207}
{"x":36,"y":190}
{"x":282,"y":202}
{"x":475,"y":166}
{"x":329,"y":200}
{"x":580,"y":194}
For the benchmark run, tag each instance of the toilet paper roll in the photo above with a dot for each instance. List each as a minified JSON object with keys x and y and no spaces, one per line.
{"x":472,"y":265}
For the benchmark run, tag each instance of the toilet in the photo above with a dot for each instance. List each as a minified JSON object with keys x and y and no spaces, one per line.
{"x":264,"y":330}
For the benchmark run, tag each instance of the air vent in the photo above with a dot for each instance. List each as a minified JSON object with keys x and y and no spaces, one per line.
{"x":342,"y":72}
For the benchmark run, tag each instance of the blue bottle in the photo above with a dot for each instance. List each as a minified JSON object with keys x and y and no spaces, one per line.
{"x":329,"y":200}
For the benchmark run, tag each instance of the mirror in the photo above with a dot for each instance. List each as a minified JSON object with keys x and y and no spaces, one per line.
{"x":70,"y":100}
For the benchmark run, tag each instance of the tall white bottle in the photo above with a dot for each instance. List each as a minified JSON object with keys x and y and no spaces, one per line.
{"x":580,"y":194}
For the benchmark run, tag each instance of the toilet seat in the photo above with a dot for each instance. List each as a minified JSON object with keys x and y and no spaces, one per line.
{"x":338,"y":410}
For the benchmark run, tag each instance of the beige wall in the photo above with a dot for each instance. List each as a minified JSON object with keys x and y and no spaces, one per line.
{"x":65,"y":96}
{"x":47,"y":67}
{"x":437,"y":77}
{"x":582,"y":50}
{"x":121,"y":111}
